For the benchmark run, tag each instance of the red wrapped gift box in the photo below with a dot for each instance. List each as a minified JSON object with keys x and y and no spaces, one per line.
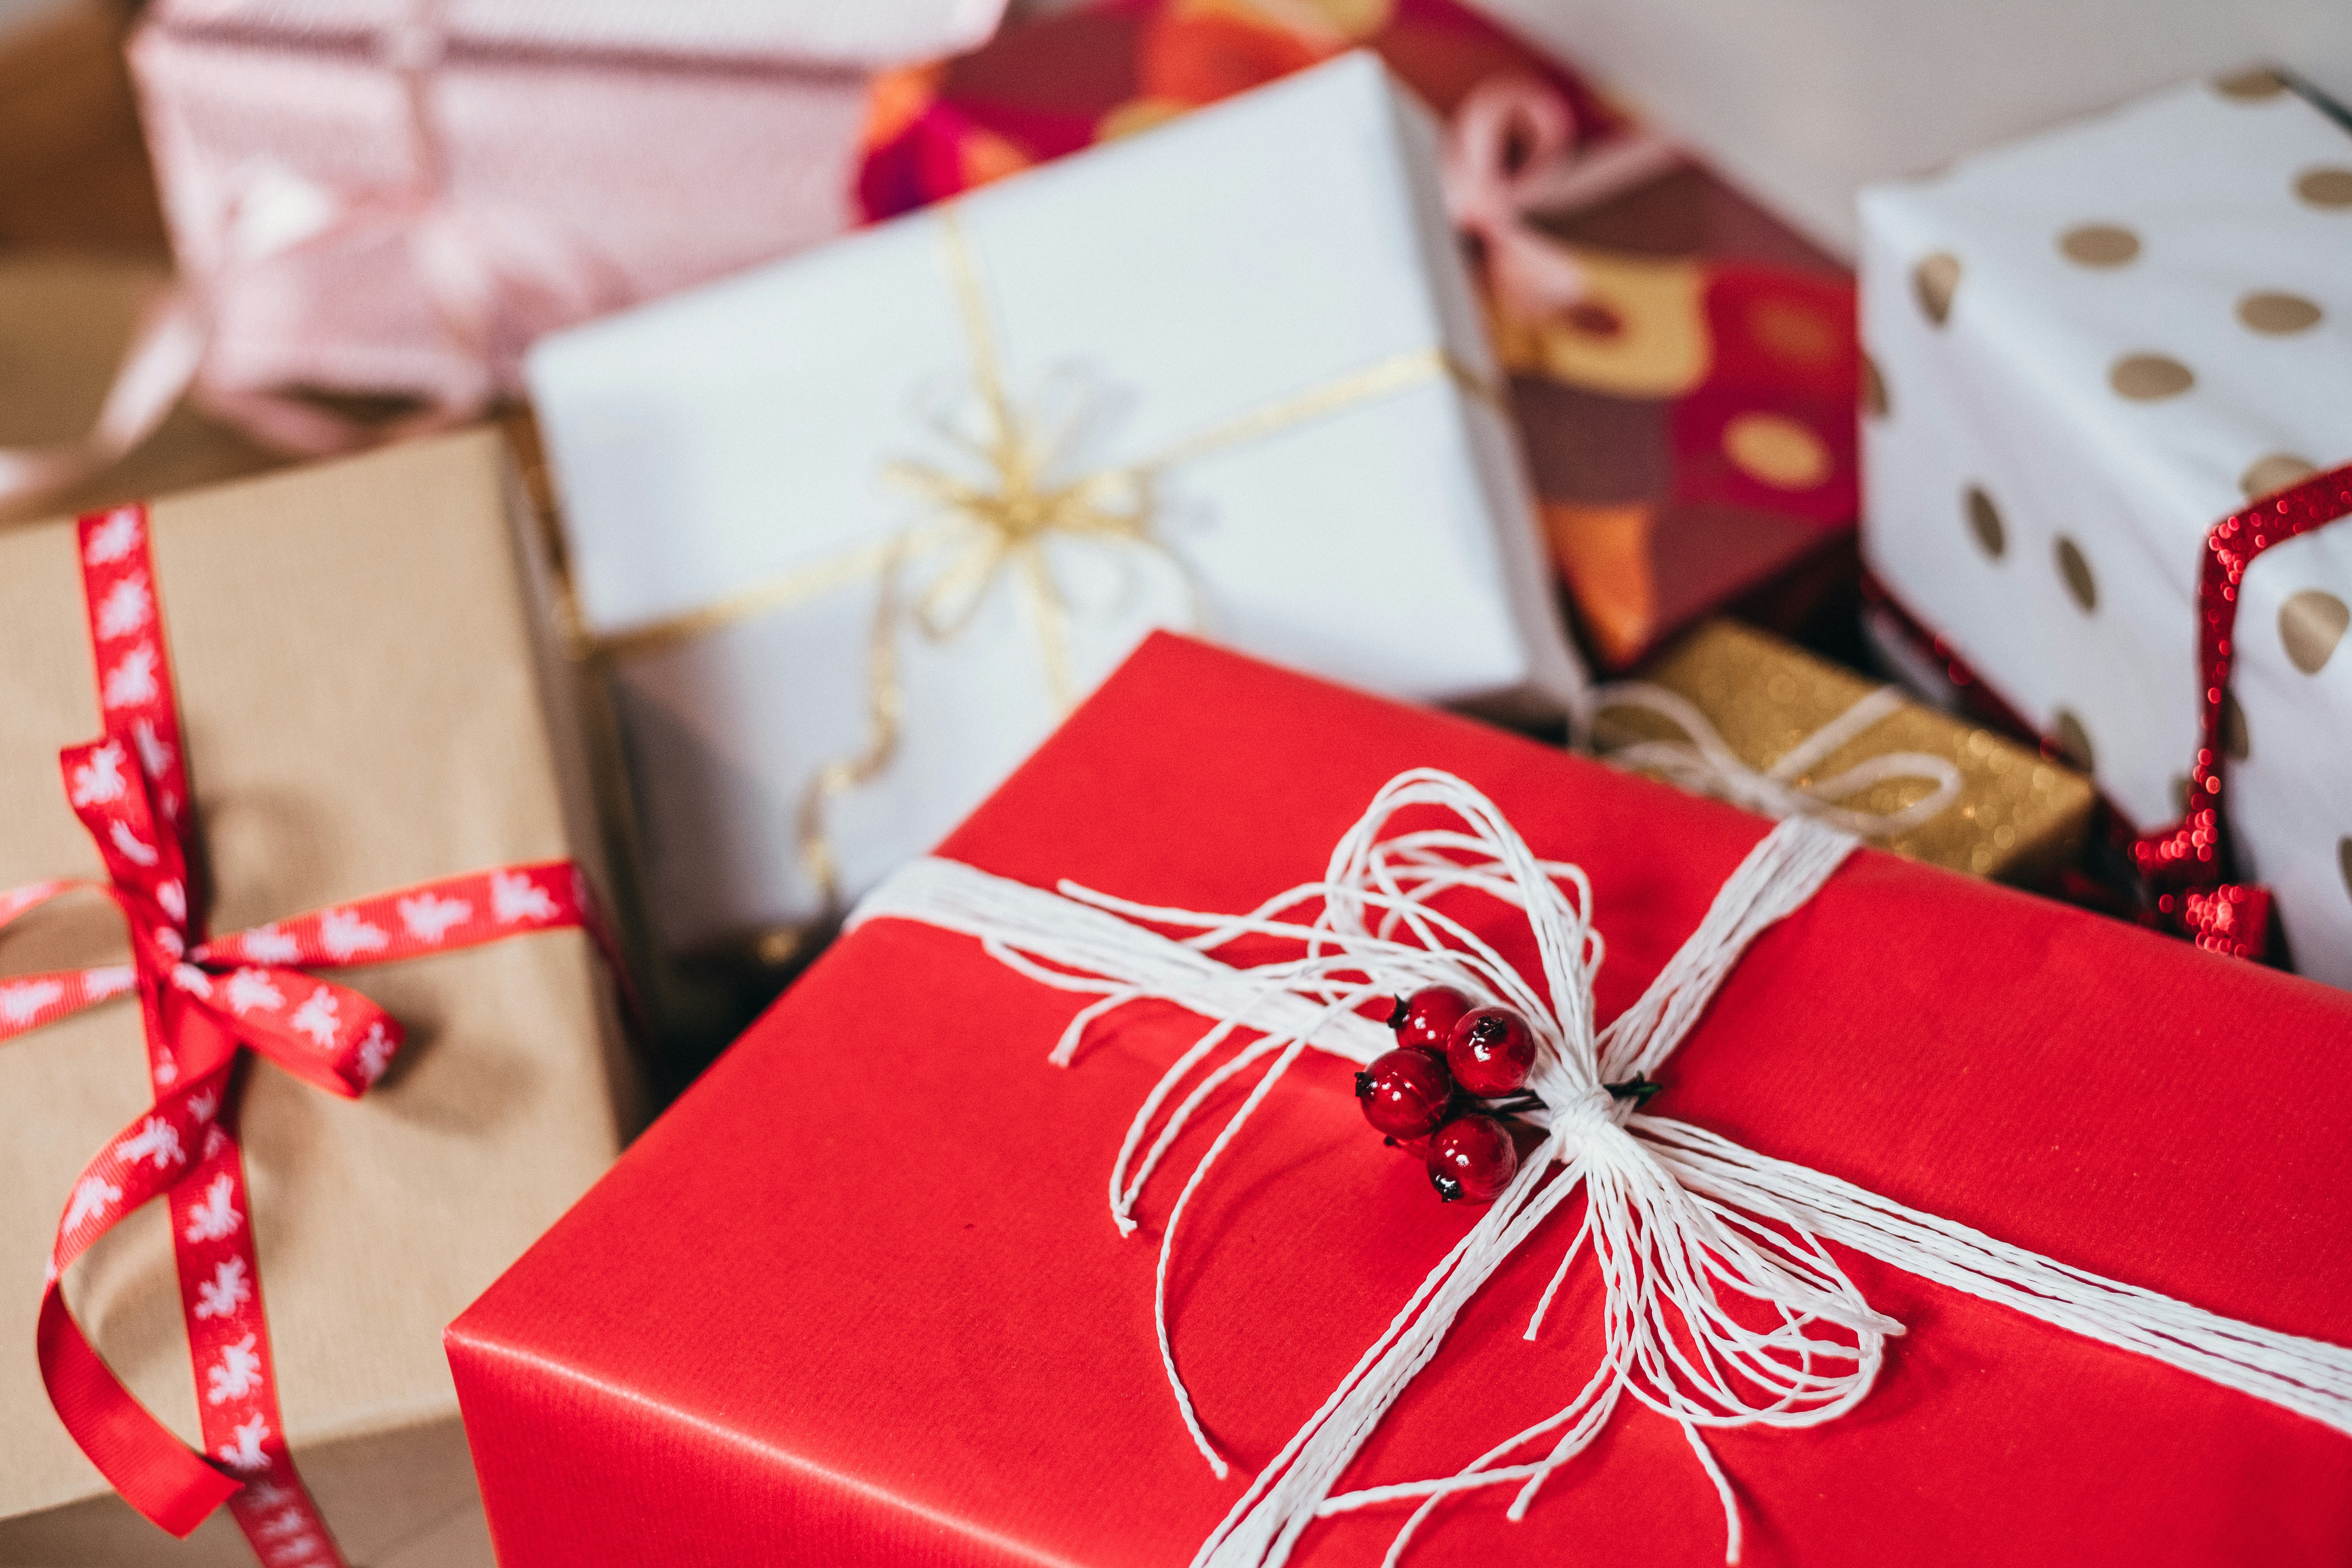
{"x":857,"y":1299}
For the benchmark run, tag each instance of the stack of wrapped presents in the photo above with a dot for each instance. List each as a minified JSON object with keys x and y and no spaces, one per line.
{"x":1158,"y":781}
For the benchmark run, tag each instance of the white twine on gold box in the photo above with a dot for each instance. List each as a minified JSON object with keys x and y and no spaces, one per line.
{"x":1703,"y":764}
{"x":1692,"y":1234}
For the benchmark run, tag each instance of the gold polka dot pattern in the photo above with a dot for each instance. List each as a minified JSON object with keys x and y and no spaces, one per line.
{"x":2075,"y":742}
{"x":2278,"y":314}
{"x":2311,"y":624}
{"x":2099,"y":245}
{"x":1873,"y":389}
{"x":2138,"y":267}
{"x":2274,"y":472}
{"x":1933,"y":281}
{"x":2144,"y":378}
{"x":2018,"y":819}
{"x":2237,"y":740}
{"x":1984,"y":524}
{"x":2251,"y":86}
{"x":2075,"y":568}
{"x":2327,"y":189}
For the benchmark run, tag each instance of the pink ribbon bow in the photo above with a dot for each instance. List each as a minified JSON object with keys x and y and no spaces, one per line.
{"x":1512,"y":151}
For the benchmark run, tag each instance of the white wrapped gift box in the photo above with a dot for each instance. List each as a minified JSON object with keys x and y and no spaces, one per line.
{"x":1286,"y":254}
{"x":2093,"y":347}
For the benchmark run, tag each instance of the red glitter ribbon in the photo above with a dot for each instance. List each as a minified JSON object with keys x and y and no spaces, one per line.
{"x":201,"y":1000}
{"x":2186,"y":867}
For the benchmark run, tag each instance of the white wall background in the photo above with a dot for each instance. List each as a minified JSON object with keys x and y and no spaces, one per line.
{"x":1802,"y":101}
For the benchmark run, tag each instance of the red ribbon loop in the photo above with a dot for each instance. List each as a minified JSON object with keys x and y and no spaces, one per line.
{"x":155,"y":1473}
{"x":2186,"y":866}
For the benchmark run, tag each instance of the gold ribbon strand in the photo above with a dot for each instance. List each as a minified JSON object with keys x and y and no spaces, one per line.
{"x":998,"y":525}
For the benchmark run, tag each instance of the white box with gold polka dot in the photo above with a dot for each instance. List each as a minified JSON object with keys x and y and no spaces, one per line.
{"x":2087,"y":348}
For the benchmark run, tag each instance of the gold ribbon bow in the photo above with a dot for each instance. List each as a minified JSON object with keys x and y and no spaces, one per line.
{"x":999,"y":526}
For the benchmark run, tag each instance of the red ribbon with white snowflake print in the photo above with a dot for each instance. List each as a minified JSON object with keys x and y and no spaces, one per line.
{"x":202,"y":1001}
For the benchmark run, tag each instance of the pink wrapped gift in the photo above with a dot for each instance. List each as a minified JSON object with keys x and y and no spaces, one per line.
{"x":397,"y":195}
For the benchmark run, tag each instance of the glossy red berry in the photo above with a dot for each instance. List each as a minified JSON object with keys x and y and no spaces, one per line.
{"x":1404,"y":1093}
{"x":1424,"y":1021}
{"x":1472,"y":1158}
{"x":1491,"y":1052}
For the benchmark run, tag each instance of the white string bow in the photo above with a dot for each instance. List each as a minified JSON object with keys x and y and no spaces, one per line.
{"x":1697,"y":1240}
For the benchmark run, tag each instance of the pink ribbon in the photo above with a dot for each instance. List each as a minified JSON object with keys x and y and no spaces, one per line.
{"x":164,"y":352}
{"x":1512,"y":151}
{"x":497,"y":277}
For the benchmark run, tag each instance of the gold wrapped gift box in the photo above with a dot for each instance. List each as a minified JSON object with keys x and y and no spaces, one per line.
{"x":2017,"y":817}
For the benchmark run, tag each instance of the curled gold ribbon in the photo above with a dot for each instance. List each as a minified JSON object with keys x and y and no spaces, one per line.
{"x":996,"y":527}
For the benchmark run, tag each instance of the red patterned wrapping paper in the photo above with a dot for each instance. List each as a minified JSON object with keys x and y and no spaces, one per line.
{"x":1690,"y":423}
{"x":856,"y":1298}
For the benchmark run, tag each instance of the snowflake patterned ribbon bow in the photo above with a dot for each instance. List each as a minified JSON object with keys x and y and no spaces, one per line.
{"x":200,"y":1002}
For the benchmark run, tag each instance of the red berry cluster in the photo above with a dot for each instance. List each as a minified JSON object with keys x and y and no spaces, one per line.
{"x":1453,"y":1067}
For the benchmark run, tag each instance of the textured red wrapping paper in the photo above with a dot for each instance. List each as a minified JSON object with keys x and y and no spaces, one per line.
{"x":858,"y":1298}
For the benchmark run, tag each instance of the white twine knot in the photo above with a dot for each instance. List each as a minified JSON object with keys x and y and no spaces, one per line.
{"x":1595,"y":1113}
{"x":1723,"y":1307}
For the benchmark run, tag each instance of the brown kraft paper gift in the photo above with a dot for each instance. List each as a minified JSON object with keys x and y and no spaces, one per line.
{"x":370,"y":697}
